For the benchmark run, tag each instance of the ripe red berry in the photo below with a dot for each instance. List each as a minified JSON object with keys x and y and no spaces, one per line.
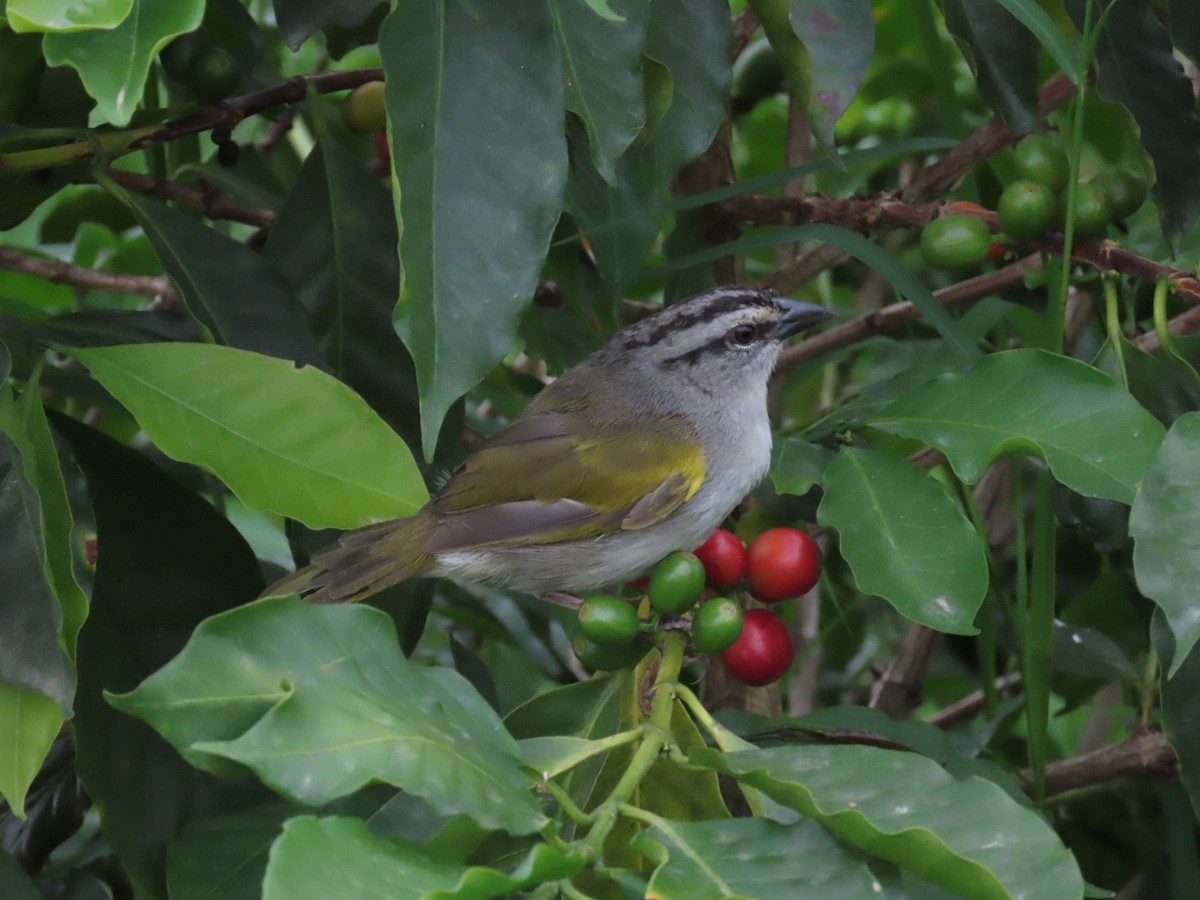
{"x":763,"y":652}
{"x":784,"y":563}
{"x":724,"y":558}
{"x":381,"y":147}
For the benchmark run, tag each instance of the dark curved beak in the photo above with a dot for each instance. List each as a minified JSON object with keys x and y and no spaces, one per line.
{"x":798,"y":316}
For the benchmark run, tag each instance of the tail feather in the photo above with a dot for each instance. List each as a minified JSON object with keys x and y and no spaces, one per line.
{"x":362,"y":562}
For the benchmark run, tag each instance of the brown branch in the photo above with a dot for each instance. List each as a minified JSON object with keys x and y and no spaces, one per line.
{"x":58,"y":272}
{"x":898,"y":690}
{"x":1146,"y":754}
{"x":1185,"y":323}
{"x":971,"y":704}
{"x":212,"y":203}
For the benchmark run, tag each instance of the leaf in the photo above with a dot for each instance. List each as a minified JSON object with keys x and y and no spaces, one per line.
{"x":301,"y":19}
{"x":1004,"y":56}
{"x":1092,"y":434}
{"x":318,"y":702}
{"x":286,"y":440}
{"x":840,"y":39}
{"x":906,"y":809}
{"x":113,"y":63}
{"x":15,"y":883}
{"x":1031,"y":14}
{"x":750,"y":858}
{"x":224,"y":856}
{"x":475,"y":99}
{"x":905,"y":539}
{"x":335,"y":241}
{"x":218,"y":297}
{"x":29,"y":723}
{"x":1185,"y":27}
{"x":104,"y":327}
{"x":55,"y":15}
{"x":1180,"y":713}
{"x":602,"y":74}
{"x":321,"y":858}
{"x":796,"y":465}
{"x":1163,"y":524}
{"x":1139,"y":71}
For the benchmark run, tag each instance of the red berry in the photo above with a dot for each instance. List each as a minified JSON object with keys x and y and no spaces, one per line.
{"x":90,"y":550}
{"x":724,"y":558}
{"x":381,"y":147}
{"x":784,"y":563}
{"x":763,"y":652}
{"x":996,"y":253}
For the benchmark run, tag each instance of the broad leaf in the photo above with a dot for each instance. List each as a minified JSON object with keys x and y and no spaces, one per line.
{"x":301,"y":19}
{"x":55,"y":15}
{"x":904,"y":808}
{"x":602,"y":74}
{"x":288,"y":440}
{"x":1003,"y":54}
{"x":1185,"y":27}
{"x":224,"y":856}
{"x":1165,"y":526}
{"x":320,"y":858}
{"x":318,"y":701}
{"x":796,"y":465}
{"x":1180,"y":712}
{"x":113,"y":63}
{"x":15,"y":883}
{"x":905,"y":539}
{"x":29,"y":722}
{"x":474,"y":99}
{"x":750,"y":858}
{"x":1092,"y":434}
{"x":104,"y":327}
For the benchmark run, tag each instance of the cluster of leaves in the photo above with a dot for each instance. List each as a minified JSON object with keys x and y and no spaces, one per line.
{"x":162,"y":735}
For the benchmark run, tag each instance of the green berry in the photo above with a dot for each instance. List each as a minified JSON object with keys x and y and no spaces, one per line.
{"x":1040,"y":159}
{"x":953,"y":242}
{"x":676,"y":584}
{"x":1026,"y":209}
{"x":608,"y":620}
{"x":363,"y":110}
{"x":1125,"y":190}
{"x":1092,"y":212}
{"x":213,"y":75}
{"x":716,"y":625}
{"x":605,"y":657}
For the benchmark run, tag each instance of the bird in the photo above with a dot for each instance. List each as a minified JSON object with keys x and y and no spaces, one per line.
{"x":641,"y":449}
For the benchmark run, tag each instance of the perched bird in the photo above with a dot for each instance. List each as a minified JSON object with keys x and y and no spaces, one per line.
{"x":641,"y":449}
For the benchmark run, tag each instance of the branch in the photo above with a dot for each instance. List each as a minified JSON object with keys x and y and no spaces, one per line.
{"x":60,"y":272}
{"x":1146,"y":754}
{"x":224,"y":115}
{"x":1184,"y":323}
{"x":208,"y":201}
{"x":971,"y":704}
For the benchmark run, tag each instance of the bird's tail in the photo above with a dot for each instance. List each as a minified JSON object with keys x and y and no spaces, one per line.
{"x":362,"y":562}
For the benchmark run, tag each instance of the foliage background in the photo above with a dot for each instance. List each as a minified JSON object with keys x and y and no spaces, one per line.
{"x":227,"y":329}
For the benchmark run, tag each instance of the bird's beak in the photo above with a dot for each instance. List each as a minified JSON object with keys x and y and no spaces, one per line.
{"x":797,"y":316}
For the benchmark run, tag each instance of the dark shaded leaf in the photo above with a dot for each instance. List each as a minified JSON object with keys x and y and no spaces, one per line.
{"x":1004,"y":55}
{"x":1180,"y":712}
{"x":104,"y":327}
{"x":14,"y":883}
{"x":1185,"y":27}
{"x":796,"y":465}
{"x":301,"y":19}
{"x":224,"y":856}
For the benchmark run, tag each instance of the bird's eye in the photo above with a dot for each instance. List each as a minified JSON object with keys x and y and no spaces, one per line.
{"x":742,"y":335}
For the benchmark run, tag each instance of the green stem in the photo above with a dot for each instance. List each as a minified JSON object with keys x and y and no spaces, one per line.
{"x":1166,"y":340}
{"x":725,"y":739}
{"x":568,"y":805}
{"x":657,"y":737}
{"x":1112,"y":318}
{"x":987,"y":616}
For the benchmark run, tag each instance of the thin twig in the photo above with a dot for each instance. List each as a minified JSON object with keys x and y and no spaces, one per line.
{"x":212,"y":203}
{"x":59,"y":272}
{"x":971,"y":704}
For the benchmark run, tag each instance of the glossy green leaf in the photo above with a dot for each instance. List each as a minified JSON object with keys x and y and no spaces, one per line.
{"x":796,"y":465}
{"x":1033,"y":16}
{"x":474,"y":99}
{"x":905,"y":539}
{"x":602,"y":74}
{"x":318,"y":702}
{"x":29,"y":723}
{"x":1004,"y":56}
{"x":1180,"y":712}
{"x":104,"y":327}
{"x":319,"y":858}
{"x":335,"y":242}
{"x":966,"y":836}
{"x":750,"y":858}
{"x":1093,"y":435}
{"x":15,"y":883}
{"x":65,"y":15}
{"x":1138,"y":70}
{"x":1165,"y":526}
{"x":286,"y":440}
{"x":224,"y":856}
{"x":301,"y":19}
{"x":113,"y":63}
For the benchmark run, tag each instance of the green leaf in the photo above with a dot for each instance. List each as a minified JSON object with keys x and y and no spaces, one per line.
{"x":475,"y":99}
{"x":113,"y":63}
{"x":1093,"y":435}
{"x":104,"y":327}
{"x":29,"y":723}
{"x":962,"y":835}
{"x":1139,"y":71}
{"x":1185,"y":27}
{"x":72,"y":15}
{"x":749,"y":858}
{"x":796,"y":465}
{"x":602,"y":74}
{"x":319,"y":858}
{"x":301,"y":19}
{"x":286,"y":440}
{"x":224,"y":856}
{"x":1031,"y":14}
{"x":840,"y":39}
{"x":318,"y":701}
{"x":905,"y":539}
{"x":15,"y":883}
{"x":1004,"y":56}
{"x":1180,"y":712}
{"x":1164,"y":525}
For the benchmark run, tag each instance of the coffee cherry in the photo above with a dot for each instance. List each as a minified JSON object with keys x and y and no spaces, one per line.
{"x":953,"y":242}
{"x":381,"y":147}
{"x":213,"y":74}
{"x":363,"y":111}
{"x":605,"y":657}
{"x":716,"y":625}
{"x":1026,"y":209}
{"x":676,"y":584}
{"x":763,"y":652}
{"x":1124,"y":189}
{"x":1092,"y":213}
{"x":784,"y":563}
{"x":723,"y":557}
{"x":608,"y":620}
{"x":1040,"y":159}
